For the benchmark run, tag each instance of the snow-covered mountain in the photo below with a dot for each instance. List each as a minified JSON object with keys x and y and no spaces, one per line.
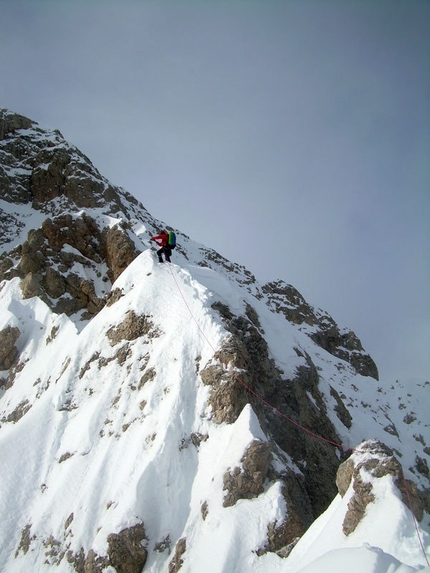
{"x":182,"y":417}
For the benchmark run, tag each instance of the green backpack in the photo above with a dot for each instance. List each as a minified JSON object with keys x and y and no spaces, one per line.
{"x":172,"y":240}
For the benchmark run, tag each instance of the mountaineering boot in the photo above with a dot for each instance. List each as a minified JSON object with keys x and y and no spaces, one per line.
{"x":160,"y":260}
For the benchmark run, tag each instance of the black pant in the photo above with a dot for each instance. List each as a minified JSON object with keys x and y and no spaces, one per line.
{"x":167,"y":253}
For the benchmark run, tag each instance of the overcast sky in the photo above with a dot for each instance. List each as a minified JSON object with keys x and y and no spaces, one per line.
{"x":291,"y":136}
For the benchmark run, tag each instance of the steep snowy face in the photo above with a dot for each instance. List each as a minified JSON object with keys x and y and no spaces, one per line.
{"x":184,"y":416}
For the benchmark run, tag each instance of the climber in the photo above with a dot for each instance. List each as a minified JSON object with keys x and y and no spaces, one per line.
{"x":162,"y":240}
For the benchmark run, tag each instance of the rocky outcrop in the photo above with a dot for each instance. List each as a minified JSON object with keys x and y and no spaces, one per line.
{"x":246,"y":481}
{"x":47,"y":260}
{"x":125,"y":550}
{"x":287,"y":300}
{"x":345,"y":346}
{"x":176,"y":562}
{"x":373,"y":460}
{"x":38,"y":165}
{"x":132,"y":327}
{"x":10,"y":122}
{"x":61,"y":172}
{"x":118,"y":250}
{"x":8,"y":350}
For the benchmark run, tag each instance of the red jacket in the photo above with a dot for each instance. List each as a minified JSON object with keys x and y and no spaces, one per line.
{"x":161,"y":240}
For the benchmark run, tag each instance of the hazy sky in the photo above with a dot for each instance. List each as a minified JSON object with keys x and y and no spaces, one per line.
{"x":291,"y":136}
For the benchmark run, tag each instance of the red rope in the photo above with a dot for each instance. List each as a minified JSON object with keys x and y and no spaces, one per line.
{"x":310,"y":432}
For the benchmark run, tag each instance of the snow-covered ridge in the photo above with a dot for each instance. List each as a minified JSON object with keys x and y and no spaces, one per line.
{"x":127,"y":441}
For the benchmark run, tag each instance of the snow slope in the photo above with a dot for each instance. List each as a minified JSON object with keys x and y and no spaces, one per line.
{"x":97,"y":447}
